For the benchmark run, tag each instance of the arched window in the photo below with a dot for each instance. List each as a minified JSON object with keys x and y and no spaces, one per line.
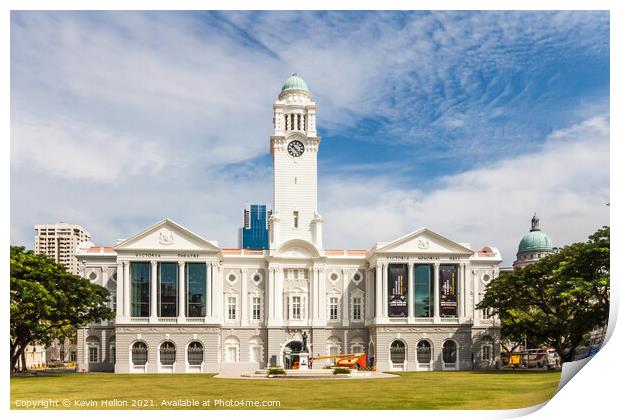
{"x":397,"y":352}
{"x":195,"y":353}
{"x":449,"y":352}
{"x":423,"y":352}
{"x":139,"y":353}
{"x":92,"y":343}
{"x":167,"y":353}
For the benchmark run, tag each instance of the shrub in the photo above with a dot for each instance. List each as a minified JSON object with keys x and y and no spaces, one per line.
{"x":342,"y":371}
{"x":276,"y":371}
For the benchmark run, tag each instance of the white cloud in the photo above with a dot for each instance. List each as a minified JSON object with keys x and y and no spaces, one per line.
{"x":566,"y":181}
{"x":69,"y":149}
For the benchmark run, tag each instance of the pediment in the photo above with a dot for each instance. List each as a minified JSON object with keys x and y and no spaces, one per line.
{"x":167,"y":236}
{"x":297,"y":249}
{"x":423,"y":241}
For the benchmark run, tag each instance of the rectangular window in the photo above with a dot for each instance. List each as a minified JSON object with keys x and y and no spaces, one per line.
{"x":486,"y":352}
{"x":423,"y":290}
{"x":397,"y":290}
{"x":140,"y":290}
{"x":256,"y":308}
{"x":296,"y":309}
{"x":232,"y":308}
{"x":196,"y":275}
{"x":93,"y":353}
{"x":486,"y":313}
{"x":295,"y":219}
{"x":333,"y":308}
{"x":448,"y":287}
{"x":357,"y":308}
{"x":168,"y":283}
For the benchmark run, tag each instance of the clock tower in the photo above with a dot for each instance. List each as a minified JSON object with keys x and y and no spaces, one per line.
{"x":294,"y":149}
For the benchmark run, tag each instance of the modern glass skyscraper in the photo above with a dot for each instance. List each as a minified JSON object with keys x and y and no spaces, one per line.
{"x":254,"y":233}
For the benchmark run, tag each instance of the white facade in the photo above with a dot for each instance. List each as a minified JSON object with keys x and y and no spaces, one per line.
{"x":184,"y":304}
{"x":60,"y":241}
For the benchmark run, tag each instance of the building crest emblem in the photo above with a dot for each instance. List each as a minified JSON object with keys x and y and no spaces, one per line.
{"x":166,"y":237}
{"x":424,"y":244}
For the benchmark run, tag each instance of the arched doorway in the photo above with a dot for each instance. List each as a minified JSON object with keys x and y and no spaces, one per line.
{"x":290,"y":354}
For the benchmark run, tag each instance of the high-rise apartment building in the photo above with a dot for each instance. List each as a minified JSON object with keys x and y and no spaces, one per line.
{"x":60,"y":241}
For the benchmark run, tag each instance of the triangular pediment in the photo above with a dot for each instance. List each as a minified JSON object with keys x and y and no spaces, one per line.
{"x":167,"y":236}
{"x":423,"y":241}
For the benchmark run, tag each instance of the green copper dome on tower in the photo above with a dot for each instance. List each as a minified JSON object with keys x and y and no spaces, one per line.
{"x":295,"y":83}
{"x":535,"y":239}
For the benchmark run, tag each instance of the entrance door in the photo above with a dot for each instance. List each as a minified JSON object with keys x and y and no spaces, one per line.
{"x":290,"y":354}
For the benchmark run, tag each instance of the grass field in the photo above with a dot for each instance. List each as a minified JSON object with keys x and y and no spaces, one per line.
{"x":421,"y":390}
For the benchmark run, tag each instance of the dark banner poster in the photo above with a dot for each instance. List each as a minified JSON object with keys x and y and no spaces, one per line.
{"x":397,"y":290}
{"x":448,"y":282}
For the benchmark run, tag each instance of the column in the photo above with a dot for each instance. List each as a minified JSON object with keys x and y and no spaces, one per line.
{"x":153,"y":291}
{"x":476,"y":296}
{"x":345,"y":299}
{"x":104,"y":283}
{"x":278,"y":294}
{"x":127,"y":287}
{"x":436,"y":292}
{"x":385,"y":294}
{"x":315,"y":295}
{"x":120,"y":290}
{"x":209,"y":299}
{"x":182,"y":295}
{"x":321,"y":288}
{"x":367,"y":295}
{"x":378,"y":271}
{"x":244,"y":296}
{"x":218,"y":296}
{"x":410,"y":294}
{"x":269,"y":294}
{"x":461,"y":286}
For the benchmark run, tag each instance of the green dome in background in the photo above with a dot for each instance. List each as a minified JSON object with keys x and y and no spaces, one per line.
{"x":535,"y":239}
{"x":295,"y":83}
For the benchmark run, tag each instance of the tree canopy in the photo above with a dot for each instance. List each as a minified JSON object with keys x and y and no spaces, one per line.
{"x":47,"y":301}
{"x":557,"y":300}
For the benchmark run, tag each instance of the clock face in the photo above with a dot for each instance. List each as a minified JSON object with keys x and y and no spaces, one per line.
{"x":296,"y":148}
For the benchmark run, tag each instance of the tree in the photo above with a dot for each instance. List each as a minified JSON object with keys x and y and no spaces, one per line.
{"x":47,"y":301}
{"x":557,"y":300}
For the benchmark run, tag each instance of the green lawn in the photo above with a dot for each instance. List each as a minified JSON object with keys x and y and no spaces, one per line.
{"x":422,"y":390}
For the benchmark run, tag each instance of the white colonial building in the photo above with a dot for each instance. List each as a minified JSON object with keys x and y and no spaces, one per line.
{"x":185,"y":304}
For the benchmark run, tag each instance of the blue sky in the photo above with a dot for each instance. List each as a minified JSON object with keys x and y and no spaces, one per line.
{"x":463,"y":122}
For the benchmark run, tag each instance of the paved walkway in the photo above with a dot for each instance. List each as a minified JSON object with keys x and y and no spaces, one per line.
{"x":238,"y":375}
